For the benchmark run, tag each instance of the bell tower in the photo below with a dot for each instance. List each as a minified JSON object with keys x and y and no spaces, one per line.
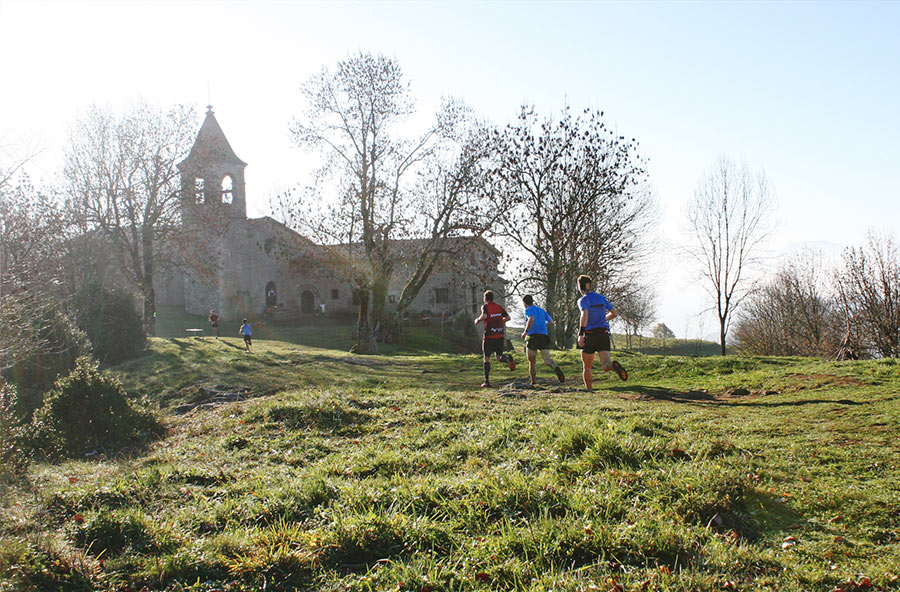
{"x":212,"y":176}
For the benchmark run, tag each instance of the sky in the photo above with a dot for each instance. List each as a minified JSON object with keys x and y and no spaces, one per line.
{"x":808,"y":92}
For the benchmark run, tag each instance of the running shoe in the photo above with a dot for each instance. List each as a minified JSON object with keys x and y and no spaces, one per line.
{"x":560,"y":375}
{"x":485,"y":384}
{"x":618,"y":369}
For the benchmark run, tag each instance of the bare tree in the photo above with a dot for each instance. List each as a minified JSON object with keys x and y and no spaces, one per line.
{"x":41,"y":341}
{"x":452,"y":203}
{"x":124,"y":185}
{"x":575,"y":198}
{"x":869,"y":285}
{"x":728,"y":218}
{"x":353,"y":115}
{"x":636,"y":309}
{"x":27,"y":219}
{"x":32,"y":229}
{"x":792,"y":314}
{"x":31,"y":232}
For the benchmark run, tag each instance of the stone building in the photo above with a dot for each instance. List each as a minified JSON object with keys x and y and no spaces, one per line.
{"x":250,"y":267}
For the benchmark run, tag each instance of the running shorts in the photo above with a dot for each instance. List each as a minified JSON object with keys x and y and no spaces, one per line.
{"x":596,"y":340}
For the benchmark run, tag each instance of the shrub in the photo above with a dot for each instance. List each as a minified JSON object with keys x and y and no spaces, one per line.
{"x":13,"y":460}
{"x":85,"y":410}
{"x":44,"y":346}
{"x":112,"y":323}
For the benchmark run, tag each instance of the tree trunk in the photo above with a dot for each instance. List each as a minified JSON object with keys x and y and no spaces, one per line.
{"x":150,"y":311}
{"x":365,"y":340}
{"x":722,"y":336}
{"x":379,"y":301}
{"x":147,"y":288}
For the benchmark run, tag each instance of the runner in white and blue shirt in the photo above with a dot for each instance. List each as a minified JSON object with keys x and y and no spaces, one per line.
{"x":593,"y":334}
{"x":537,"y":338}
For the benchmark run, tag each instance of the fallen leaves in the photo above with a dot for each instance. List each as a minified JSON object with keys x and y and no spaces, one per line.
{"x":852,"y":585}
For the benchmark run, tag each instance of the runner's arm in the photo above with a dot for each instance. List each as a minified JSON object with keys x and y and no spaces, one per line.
{"x":582,"y":324}
{"x":527,"y":327}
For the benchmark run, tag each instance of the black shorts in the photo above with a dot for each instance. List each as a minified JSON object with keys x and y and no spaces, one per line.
{"x":248,"y":340}
{"x":215,"y":324}
{"x":596,"y":340}
{"x":493,"y":346}
{"x":537,"y":341}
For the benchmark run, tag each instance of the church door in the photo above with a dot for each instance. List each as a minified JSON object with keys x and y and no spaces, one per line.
{"x":271,"y":294}
{"x":307,"y":302}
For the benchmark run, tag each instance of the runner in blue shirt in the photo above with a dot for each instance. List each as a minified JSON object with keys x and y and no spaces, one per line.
{"x":247,"y":332}
{"x":537,"y":338}
{"x":593,"y":335}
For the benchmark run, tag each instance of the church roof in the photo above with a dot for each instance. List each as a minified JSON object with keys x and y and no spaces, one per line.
{"x":211,"y":144}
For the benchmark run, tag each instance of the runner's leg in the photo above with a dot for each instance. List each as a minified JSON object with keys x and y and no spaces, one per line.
{"x":545,"y":355}
{"x":605,"y":360}
{"x":532,"y":364}
{"x":587,"y":362}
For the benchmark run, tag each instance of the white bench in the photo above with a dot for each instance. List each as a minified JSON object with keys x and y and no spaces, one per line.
{"x":194,"y":332}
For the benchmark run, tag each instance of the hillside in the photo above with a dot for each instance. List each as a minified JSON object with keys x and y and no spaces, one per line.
{"x":301,"y":467}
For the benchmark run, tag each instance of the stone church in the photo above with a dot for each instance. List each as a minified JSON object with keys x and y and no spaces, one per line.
{"x":255,"y":267}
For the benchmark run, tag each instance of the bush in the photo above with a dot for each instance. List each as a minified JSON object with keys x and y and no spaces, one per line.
{"x":13,"y":460}
{"x":87,"y":410}
{"x":112,"y":323}
{"x":44,"y":346}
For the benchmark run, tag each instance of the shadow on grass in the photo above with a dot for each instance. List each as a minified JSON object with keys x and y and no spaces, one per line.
{"x":653,"y":392}
{"x":179,"y":342}
{"x":797,"y":403}
{"x":231,"y":345}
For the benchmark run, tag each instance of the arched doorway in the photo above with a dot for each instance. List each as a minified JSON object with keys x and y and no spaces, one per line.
{"x":307,"y":302}
{"x":271,"y":295}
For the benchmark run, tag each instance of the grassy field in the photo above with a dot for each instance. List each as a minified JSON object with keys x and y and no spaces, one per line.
{"x":303,"y":467}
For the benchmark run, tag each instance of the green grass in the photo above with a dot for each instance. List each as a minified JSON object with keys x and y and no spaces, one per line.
{"x":670,"y":347}
{"x":396,"y":472}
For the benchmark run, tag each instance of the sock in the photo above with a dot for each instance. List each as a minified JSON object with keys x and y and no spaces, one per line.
{"x":487,"y":371}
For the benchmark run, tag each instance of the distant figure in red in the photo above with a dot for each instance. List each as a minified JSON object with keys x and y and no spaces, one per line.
{"x":214,"y":322}
{"x":494,"y":317}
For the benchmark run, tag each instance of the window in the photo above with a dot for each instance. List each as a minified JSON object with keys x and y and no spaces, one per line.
{"x":441,"y":295}
{"x":335,"y":294}
{"x":227,"y":189}
{"x":199,"y":190}
{"x":392,"y":298}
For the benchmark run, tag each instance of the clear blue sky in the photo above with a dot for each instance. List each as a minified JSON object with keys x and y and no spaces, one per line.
{"x":807,"y":91}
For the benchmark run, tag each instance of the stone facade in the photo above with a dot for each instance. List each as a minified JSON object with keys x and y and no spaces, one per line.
{"x":244,"y":267}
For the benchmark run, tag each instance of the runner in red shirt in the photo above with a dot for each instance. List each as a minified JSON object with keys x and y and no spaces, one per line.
{"x":494,"y":317}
